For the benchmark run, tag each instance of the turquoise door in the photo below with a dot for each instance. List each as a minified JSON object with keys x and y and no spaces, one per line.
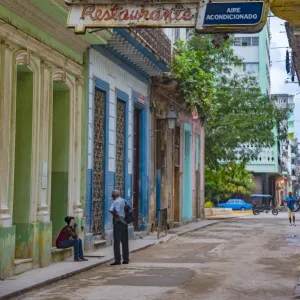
{"x":187,"y":175}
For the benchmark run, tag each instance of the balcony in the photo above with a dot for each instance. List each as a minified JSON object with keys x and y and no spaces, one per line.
{"x":285,"y":105}
{"x":147,"y":51}
{"x":157,"y":41}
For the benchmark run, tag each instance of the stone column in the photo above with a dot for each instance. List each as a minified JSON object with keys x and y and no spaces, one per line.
{"x":5,"y":130}
{"x":78,"y":211}
{"x":7,"y":230}
{"x":43,"y":215}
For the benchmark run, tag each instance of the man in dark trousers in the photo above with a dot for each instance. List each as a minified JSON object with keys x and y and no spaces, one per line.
{"x":117,"y":209}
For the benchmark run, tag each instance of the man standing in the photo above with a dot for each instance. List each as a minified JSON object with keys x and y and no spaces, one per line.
{"x":290,"y":200}
{"x":117,"y":209}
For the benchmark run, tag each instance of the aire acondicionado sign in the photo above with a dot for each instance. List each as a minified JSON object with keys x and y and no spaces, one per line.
{"x":215,"y":16}
{"x":242,"y":16}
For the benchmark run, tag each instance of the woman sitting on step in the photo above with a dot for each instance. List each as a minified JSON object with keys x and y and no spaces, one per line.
{"x":68,"y":238}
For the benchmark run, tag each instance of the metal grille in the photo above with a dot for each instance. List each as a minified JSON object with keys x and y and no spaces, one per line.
{"x":99,"y":155}
{"x":120,"y":146}
{"x":157,"y":40}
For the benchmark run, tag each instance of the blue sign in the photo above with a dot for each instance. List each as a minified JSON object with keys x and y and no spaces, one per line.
{"x":233,"y":13}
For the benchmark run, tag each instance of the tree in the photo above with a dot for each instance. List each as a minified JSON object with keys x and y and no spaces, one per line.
{"x":239,"y":119}
{"x":229,"y":180}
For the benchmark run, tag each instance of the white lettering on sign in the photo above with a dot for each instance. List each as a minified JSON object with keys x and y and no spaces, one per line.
{"x":234,"y":10}
{"x":130,"y":15}
{"x":232,"y":17}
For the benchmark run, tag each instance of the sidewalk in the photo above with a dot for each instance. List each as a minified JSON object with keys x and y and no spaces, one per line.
{"x":42,"y":276}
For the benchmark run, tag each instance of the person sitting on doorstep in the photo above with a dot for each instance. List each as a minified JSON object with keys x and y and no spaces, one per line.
{"x":68,"y":238}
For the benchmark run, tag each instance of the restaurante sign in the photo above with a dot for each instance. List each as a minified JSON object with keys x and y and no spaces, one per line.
{"x":143,"y":15}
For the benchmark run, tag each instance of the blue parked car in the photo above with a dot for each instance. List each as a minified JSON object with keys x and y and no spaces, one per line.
{"x":236,"y":204}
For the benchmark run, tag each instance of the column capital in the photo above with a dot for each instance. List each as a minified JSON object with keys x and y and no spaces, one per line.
{"x":79,"y":81}
{"x":5,"y":45}
{"x":45,"y":64}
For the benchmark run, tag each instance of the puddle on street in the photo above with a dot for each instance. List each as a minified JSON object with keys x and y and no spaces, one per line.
{"x":293,"y":239}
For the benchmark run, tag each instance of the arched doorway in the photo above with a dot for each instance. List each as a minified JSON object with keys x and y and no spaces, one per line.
{"x":60,"y":156}
{"x":23,"y":160}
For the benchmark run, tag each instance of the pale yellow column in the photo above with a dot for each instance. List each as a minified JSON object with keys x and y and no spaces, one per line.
{"x":78,"y":211}
{"x":5,"y":136}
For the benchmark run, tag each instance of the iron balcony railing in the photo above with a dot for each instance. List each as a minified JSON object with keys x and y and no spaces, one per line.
{"x":157,"y":41}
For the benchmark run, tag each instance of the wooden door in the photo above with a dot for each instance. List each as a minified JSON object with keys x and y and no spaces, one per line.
{"x":136,"y":168}
{"x":176,"y":194}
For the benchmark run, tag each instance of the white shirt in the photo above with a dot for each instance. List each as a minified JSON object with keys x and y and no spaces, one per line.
{"x":118,"y":206}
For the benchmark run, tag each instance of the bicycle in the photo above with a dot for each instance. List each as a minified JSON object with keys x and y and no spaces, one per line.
{"x":296,"y":205}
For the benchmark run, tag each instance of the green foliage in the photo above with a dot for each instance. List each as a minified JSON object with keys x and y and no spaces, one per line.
{"x":195,"y":83}
{"x":209,"y":204}
{"x":239,"y":119}
{"x":229,"y":180}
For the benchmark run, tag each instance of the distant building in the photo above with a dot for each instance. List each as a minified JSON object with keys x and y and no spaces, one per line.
{"x":288,"y":148}
{"x":254,"y":49}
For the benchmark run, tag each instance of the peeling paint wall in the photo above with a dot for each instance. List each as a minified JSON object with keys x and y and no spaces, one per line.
{"x":162,"y":150}
{"x":31,"y":234}
{"x":7,"y":251}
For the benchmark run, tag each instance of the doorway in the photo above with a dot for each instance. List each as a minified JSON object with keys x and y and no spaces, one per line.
{"x":177,"y":194}
{"x":121,"y":139}
{"x":99,"y":158}
{"x":60,"y":156}
{"x":23,"y":162}
{"x":136,"y":168}
{"x":159,"y":156}
{"x":177,"y":174}
{"x":187,"y":203}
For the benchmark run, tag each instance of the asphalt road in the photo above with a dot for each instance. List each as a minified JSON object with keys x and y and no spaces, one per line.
{"x":251,"y":258}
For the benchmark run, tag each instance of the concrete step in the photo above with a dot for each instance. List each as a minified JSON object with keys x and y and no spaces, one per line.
{"x":99,"y":244}
{"x":176,"y":224}
{"x":22,"y":265}
{"x":61,"y":254}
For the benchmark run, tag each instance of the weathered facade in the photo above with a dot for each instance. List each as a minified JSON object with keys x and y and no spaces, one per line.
{"x":176,"y":158}
{"x":119,"y":125}
{"x":79,"y":117}
{"x":42,"y":132}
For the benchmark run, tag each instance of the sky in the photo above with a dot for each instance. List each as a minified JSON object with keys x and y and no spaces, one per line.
{"x":278,"y":72}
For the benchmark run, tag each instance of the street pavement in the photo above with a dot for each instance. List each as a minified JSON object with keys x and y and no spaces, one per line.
{"x":254,"y":257}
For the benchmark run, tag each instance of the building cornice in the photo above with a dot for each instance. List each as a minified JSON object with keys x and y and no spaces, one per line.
{"x":17,"y":39}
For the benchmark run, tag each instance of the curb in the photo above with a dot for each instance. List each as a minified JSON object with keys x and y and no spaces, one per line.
{"x":67,"y":275}
{"x":104,"y":261}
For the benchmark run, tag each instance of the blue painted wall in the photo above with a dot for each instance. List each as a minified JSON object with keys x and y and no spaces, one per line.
{"x":110,"y":177}
{"x":144,"y":160}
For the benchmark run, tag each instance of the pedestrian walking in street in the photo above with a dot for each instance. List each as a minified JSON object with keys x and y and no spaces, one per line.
{"x":68,"y":238}
{"x":117,"y":209}
{"x":290,"y":200}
